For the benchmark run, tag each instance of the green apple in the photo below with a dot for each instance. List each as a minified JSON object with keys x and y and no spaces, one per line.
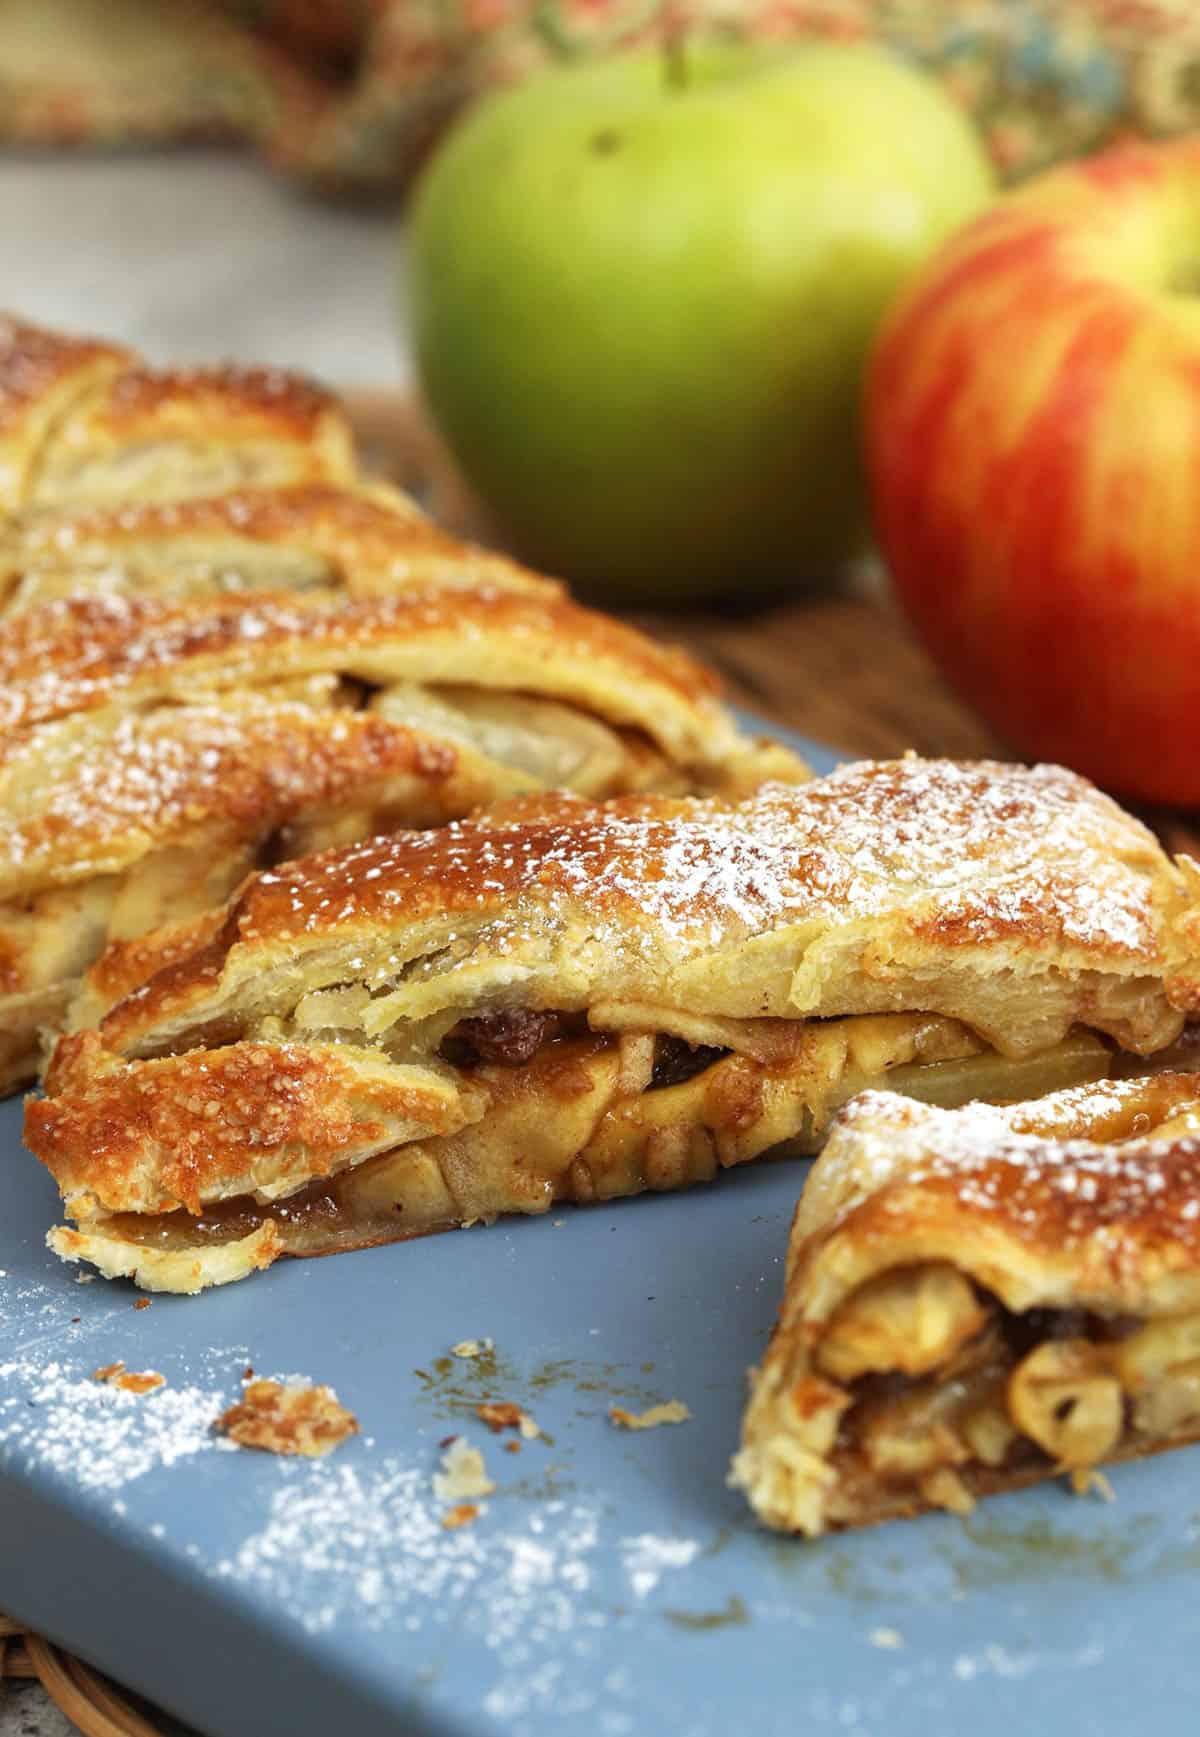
{"x":643,"y":290}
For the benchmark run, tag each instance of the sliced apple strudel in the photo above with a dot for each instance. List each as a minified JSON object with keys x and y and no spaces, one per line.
{"x":201,"y":683}
{"x":980,"y":1298}
{"x":564,"y":1000}
{"x":152,"y":752}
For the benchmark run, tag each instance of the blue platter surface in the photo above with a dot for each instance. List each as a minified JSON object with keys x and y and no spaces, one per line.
{"x":612,"y":1585}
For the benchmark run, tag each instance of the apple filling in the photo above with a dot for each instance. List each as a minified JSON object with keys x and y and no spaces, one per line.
{"x":578,"y":1114}
{"x":928,"y":1391}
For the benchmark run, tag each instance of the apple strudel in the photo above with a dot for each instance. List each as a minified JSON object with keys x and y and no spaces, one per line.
{"x":564,"y":1000}
{"x":977,"y":1299}
{"x":263,"y":655}
{"x":153,"y":751}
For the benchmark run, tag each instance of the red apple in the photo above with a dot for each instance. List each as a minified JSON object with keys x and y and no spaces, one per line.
{"x":1033,"y":436}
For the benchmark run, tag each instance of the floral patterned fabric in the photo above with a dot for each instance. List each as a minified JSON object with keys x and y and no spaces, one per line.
{"x":351,"y":93}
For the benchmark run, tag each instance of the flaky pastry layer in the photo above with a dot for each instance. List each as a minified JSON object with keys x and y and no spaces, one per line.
{"x":359,"y":539}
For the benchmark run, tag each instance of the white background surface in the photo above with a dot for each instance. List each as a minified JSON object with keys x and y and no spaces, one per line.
{"x":195,"y":257}
{"x":200,"y":256}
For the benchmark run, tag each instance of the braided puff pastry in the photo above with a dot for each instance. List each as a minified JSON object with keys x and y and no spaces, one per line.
{"x":153,"y":751}
{"x":978,"y":1299}
{"x":573,"y":1001}
{"x":262,"y":655}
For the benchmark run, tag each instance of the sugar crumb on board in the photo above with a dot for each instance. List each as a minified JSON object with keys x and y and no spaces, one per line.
{"x":502,"y":1414}
{"x":1087,"y":1481}
{"x":463,"y":1474}
{"x":473,"y":1348}
{"x":462,"y":1514}
{"x":288,"y":1418}
{"x":887,"y":1639}
{"x":670,"y":1411}
{"x":129,"y":1380}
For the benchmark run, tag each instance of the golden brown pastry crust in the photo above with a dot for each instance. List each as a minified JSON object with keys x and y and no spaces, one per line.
{"x":42,"y":374}
{"x":220,"y":647}
{"x":242,"y":767}
{"x":1011,"y":898}
{"x":1075,"y":1217}
{"x":84,"y":652}
{"x":134,"y":729}
{"x":361,"y":539}
{"x":81,"y":420}
{"x":895,"y":916}
{"x":246,"y":1119}
{"x":170,"y":433}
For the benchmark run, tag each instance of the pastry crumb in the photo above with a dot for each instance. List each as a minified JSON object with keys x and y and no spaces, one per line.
{"x":670,"y":1411}
{"x":944,"y":1488}
{"x":288,"y":1418}
{"x":462,"y":1514}
{"x":472,"y":1348}
{"x":85,"y":1278}
{"x":129,"y":1380}
{"x":142,"y":1303}
{"x":462,"y":1475}
{"x":501,"y":1414}
{"x":512,"y":1447}
{"x":146,"y":1382}
{"x":890,"y":1639}
{"x":1086,"y":1481}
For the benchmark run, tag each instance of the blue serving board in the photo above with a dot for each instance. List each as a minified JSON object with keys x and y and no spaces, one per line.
{"x":614,"y":1585}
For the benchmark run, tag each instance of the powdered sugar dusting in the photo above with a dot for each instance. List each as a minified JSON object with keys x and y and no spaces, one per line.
{"x":364,"y":1543}
{"x":76,"y":653}
{"x":1080,"y":1165}
{"x":102,"y":788}
{"x":649,"y":1556}
{"x":976,"y":852}
{"x":97,"y":1434}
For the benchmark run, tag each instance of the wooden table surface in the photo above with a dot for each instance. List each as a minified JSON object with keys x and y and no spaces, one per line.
{"x":846,"y":672}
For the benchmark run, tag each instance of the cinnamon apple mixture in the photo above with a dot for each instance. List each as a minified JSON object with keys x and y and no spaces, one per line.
{"x":936,"y":1387}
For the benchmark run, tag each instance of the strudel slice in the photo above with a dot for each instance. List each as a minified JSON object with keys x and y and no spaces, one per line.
{"x":564,"y":1000}
{"x":981,"y":1298}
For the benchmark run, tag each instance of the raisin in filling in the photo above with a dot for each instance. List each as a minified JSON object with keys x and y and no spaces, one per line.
{"x":508,"y":1039}
{"x":676,"y":1061}
{"x":513,"y":1037}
